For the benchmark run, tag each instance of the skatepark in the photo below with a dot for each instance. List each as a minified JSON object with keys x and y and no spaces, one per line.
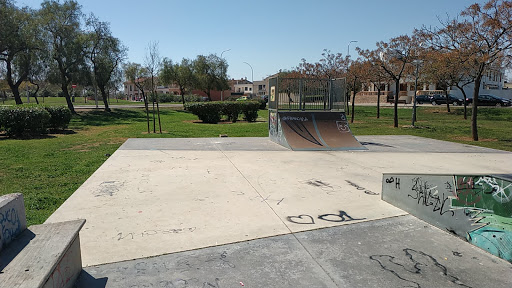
{"x":302,"y":208}
{"x":230,"y":210}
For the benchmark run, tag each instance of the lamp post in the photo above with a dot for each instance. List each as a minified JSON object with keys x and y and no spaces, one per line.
{"x":222,"y":91}
{"x":417,"y":63}
{"x":252,"y":76}
{"x":348,"y":49}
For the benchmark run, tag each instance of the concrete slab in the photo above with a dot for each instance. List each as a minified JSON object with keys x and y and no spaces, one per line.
{"x":394,"y":252}
{"x":159,"y":196}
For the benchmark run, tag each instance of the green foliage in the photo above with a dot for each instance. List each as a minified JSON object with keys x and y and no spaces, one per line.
{"x":60,"y":117}
{"x":211,"y":112}
{"x":231,"y":109}
{"x":250,"y":110}
{"x":24,"y":120}
{"x":208,"y":112}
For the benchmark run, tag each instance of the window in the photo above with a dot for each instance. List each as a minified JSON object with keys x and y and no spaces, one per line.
{"x":245,"y":88}
{"x":250,"y":88}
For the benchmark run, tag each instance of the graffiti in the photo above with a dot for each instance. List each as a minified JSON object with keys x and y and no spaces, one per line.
{"x":300,"y":129}
{"x":319,"y":184}
{"x":342,"y":126}
{"x":273,"y":124}
{"x":395,"y":180}
{"x":418,"y":271}
{"x":172,"y":274}
{"x":499,"y":193}
{"x":148,"y":233}
{"x":10,"y":225}
{"x":342,"y":216}
{"x":480,"y":206}
{"x":301,"y":219}
{"x":366,"y":191}
{"x":292,"y":118}
{"x":338,"y":217}
{"x":108,"y":188}
{"x":428,"y":195}
{"x":178,"y":283}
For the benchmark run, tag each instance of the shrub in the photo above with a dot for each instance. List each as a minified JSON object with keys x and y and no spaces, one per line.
{"x":250,"y":110}
{"x":211,"y":112}
{"x":208,"y":112}
{"x":232,"y":110}
{"x":60,"y":116}
{"x":18,"y":121}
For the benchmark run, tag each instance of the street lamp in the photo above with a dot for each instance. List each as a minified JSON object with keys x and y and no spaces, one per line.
{"x":222,"y":91}
{"x":348,"y":49}
{"x":223,"y":52}
{"x":252,"y":76}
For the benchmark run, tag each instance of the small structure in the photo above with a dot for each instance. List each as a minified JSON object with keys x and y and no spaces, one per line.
{"x":477,"y":208}
{"x":309,"y":114}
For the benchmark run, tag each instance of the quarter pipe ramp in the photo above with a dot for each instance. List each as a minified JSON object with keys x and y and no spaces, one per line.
{"x":307,"y":130}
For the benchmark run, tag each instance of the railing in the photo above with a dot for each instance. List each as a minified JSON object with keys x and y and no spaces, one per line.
{"x":307,"y":94}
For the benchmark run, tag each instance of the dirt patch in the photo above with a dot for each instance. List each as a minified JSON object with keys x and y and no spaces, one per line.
{"x":470,"y":139}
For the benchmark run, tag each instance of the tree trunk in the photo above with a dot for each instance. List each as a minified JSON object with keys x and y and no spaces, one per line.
{"x":146,"y":105}
{"x":397,"y":87}
{"x":15,"y":87}
{"x":104,"y":96}
{"x":378,"y":103}
{"x":65,"y":91}
{"x":183,"y":98}
{"x":474,"y":122}
{"x":37,"y":90}
{"x":353,"y":104}
{"x":16,"y":93}
{"x":447,"y":100}
{"x":465,"y":102}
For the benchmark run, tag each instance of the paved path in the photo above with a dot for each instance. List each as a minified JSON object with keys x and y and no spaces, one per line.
{"x":159,"y":196}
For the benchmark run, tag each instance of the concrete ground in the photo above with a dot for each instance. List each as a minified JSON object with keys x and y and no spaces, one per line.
{"x":230,"y":212}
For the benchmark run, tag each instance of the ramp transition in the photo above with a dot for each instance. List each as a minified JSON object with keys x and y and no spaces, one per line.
{"x":477,"y":208}
{"x":306,"y":130}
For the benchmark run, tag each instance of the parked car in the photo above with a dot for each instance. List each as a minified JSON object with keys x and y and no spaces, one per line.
{"x":490,"y":100}
{"x":420,"y":99}
{"x":439,"y":99}
{"x":243,"y":98}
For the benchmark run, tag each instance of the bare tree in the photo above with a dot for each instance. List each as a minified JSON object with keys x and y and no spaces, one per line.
{"x":152,"y":62}
{"x":483,"y":37}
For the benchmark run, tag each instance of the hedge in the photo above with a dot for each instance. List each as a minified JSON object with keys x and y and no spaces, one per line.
{"x":33,"y":120}
{"x":60,"y":116}
{"x":212,"y":112}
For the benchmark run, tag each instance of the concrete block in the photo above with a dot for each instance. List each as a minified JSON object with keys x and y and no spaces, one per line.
{"x":13,"y":219}
{"x":477,"y":208}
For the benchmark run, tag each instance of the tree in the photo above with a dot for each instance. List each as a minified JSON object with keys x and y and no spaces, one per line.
{"x":105,"y":54}
{"x":374,"y":74}
{"x":18,"y":43}
{"x":210,"y":73}
{"x":483,"y":37}
{"x":153,"y":63}
{"x":394,"y":57}
{"x":355,"y":73}
{"x":181,"y":74}
{"x":140,"y":77}
{"x":61,"y":23}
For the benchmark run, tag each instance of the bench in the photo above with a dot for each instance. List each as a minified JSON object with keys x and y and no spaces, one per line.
{"x":46,"y":255}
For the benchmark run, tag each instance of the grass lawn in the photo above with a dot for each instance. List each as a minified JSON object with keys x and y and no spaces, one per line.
{"x":48,"y":170}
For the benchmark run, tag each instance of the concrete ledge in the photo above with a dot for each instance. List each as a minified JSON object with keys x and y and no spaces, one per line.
{"x":45,"y":255}
{"x":477,"y":208}
{"x":12,"y":218}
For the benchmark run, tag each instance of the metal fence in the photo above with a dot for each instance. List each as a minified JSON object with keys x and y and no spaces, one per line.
{"x":294,"y":94}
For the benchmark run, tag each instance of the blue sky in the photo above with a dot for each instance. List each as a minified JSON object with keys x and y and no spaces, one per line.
{"x":269,"y":35}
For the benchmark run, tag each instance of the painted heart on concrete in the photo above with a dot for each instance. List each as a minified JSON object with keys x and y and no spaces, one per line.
{"x":301,"y":219}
